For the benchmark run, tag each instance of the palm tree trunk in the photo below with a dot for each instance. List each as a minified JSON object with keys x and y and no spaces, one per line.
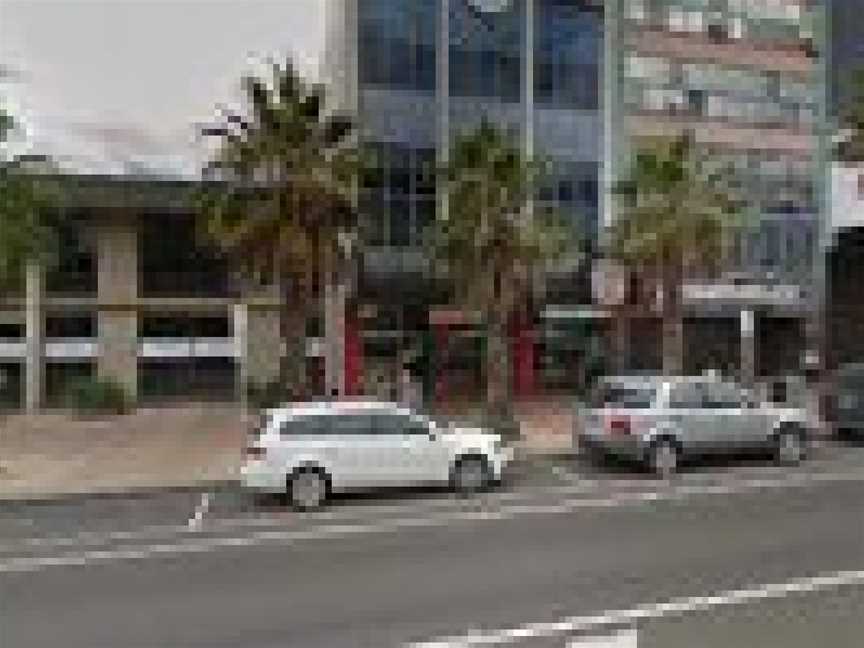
{"x":499,"y":400}
{"x":292,"y":363}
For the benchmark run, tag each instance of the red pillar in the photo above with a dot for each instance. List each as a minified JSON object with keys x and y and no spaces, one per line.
{"x":442,"y":335}
{"x":353,"y":355}
{"x":523,"y":356}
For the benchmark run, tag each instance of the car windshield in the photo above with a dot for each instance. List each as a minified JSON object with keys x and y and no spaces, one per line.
{"x":259,"y":424}
{"x":623,"y":395}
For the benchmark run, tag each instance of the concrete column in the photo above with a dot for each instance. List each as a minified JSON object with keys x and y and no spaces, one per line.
{"x":264,"y":348}
{"x":747,"y":363}
{"x":442,"y":97}
{"x":528,"y":77}
{"x":117,"y":275}
{"x":240,"y":333}
{"x":34,"y":326}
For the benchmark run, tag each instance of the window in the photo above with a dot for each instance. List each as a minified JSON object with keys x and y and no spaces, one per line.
{"x":687,"y":396}
{"x":352,"y":424}
{"x":624,"y":396}
{"x":722,"y":396}
{"x":396,"y":424}
{"x":397,"y":43}
{"x":568,"y":39}
{"x":306,"y":425}
{"x":485,"y":51}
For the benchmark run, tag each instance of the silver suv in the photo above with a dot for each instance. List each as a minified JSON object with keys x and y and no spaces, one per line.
{"x":659,"y":419}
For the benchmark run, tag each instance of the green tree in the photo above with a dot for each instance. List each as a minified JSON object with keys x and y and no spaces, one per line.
{"x":281,"y":205}
{"x":851,"y":147}
{"x":491,"y":243}
{"x":28,"y":212}
{"x":6,"y":124}
{"x":675,"y":219}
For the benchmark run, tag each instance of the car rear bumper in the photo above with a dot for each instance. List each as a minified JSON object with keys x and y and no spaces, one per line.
{"x":629,"y":447}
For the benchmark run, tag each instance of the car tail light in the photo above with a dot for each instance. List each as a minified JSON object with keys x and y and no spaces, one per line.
{"x":254,"y":452}
{"x":618,"y":425}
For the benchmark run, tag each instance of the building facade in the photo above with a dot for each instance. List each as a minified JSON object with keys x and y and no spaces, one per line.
{"x":137,"y":298}
{"x":419,"y":74}
{"x":747,"y":80}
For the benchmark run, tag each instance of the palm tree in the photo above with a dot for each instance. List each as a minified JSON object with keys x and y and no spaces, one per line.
{"x":28,"y":244}
{"x":675,"y":219}
{"x":851,"y":147}
{"x":27,"y":210}
{"x":281,"y":205}
{"x":491,"y":243}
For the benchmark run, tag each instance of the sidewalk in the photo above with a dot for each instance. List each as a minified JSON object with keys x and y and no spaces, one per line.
{"x":52,"y":454}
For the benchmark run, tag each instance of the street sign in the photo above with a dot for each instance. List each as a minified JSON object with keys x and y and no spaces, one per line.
{"x":752,"y":293}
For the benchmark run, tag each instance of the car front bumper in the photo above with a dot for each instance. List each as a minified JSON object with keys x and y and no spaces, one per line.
{"x":501,"y":463}
{"x":260,"y":476}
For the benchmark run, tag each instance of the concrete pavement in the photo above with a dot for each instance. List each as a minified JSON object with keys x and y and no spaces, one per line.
{"x":412,"y":583}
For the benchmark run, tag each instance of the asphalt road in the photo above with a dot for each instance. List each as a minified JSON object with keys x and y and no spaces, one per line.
{"x":75,"y":515}
{"x":399,"y":572}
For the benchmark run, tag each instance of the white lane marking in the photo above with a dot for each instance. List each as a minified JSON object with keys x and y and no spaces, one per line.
{"x":198,"y":515}
{"x":211,"y":543}
{"x":154,"y":531}
{"x":649,"y":611}
{"x":623,"y":639}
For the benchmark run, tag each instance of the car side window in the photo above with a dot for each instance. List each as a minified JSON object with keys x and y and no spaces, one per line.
{"x":354,"y":424}
{"x":687,"y":396}
{"x":415,"y":426}
{"x":396,"y":424}
{"x":723,"y":396}
{"x":304,"y":426}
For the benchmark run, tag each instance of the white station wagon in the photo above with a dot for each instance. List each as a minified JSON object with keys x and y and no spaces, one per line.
{"x":309,"y":450}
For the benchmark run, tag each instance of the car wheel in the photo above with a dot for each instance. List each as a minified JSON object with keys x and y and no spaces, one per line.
{"x":470,"y":475}
{"x":663,"y":458}
{"x":789,"y":447}
{"x":307,"y":489}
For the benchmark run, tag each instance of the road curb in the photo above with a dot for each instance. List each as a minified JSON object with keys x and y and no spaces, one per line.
{"x":143,"y":492}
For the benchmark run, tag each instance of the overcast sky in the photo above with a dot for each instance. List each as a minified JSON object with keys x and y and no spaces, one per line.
{"x":106,"y":83}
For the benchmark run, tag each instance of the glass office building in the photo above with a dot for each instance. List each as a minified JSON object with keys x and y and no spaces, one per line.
{"x":581,"y":83}
{"x":418,"y":74}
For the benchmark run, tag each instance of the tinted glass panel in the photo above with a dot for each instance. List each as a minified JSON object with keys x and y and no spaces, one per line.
{"x":687,"y":396}
{"x":353,"y":424}
{"x":308,"y":425}
{"x":723,"y":396}
{"x":395,"y":424}
{"x":624,"y":396}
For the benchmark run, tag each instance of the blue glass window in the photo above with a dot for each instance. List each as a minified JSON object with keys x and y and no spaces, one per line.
{"x":486,"y":51}
{"x":397,"y":43}
{"x":568,"y":44}
{"x":401,"y":202}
